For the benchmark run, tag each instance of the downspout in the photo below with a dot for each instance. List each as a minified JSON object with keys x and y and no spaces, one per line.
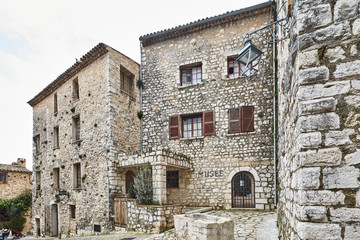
{"x":274,"y":107}
{"x":141,"y":105}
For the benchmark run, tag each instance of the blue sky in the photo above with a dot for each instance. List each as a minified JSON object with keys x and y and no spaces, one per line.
{"x":40,"y":39}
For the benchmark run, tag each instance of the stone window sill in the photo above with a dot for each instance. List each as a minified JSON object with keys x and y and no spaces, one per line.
{"x":55,"y":148}
{"x":77,"y":189}
{"x":190,"y":85}
{"x":191,"y":138}
{"x":77,"y":141}
{"x":240,"y":134}
{"x":128,"y":94}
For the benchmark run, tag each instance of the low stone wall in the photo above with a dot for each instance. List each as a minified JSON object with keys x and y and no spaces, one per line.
{"x":151,"y":218}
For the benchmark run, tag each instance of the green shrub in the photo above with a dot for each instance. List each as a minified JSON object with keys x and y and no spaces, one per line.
{"x":132,"y":192}
{"x":143,"y":186}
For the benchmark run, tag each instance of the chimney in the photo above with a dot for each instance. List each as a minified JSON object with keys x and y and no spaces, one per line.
{"x":21,"y":162}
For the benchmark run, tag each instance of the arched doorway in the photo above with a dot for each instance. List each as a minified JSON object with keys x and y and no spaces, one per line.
{"x":243,"y":189}
{"x":129,"y":178}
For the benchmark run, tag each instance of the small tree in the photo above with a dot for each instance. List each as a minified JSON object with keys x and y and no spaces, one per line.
{"x":143,"y":186}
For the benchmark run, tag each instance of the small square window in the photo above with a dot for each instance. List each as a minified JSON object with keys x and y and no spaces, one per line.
{"x":2,"y":178}
{"x":192,"y":126}
{"x":191,"y":74}
{"x":172,"y":179}
{"x":235,"y":68}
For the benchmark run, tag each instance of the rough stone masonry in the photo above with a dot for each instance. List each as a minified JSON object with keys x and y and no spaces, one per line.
{"x":319,"y":121}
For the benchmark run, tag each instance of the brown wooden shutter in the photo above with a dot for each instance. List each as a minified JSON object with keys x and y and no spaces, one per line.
{"x":234,"y":120}
{"x":208,"y":123}
{"x":247,"y":115}
{"x":174,"y":129}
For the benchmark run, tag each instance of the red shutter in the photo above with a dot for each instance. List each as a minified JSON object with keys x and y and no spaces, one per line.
{"x":174,"y":130}
{"x":247,"y":115}
{"x":208,"y":123}
{"x":234,"y":120}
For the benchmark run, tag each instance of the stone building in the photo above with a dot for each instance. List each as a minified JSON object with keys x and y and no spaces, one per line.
{"x":80,"y":120}
{"x":207,"y":131}
{"x":15,"y":179}
{"x":319,"y":104}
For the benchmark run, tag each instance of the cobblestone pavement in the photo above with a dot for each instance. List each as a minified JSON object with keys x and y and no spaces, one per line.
{"x":249,"y":225}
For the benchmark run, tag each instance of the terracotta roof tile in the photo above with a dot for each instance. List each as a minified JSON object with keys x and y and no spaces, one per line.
{"x":13,"y":168}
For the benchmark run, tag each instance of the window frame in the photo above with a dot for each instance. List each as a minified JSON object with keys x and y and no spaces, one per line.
{"x":192,"y":117}
{"x":56,"y":138}
{"x":172,"y":179}
{"x":37,"y":144}
{"x":76,"y":128}
{"x":77,"y":175}
{"x":76,"y":89}
{"x":56,"y":178}
{"x":72,"y":211}
{"x":127,"y":84}
{"x":38,"y":180}
{"x":55,"y":103}
{"x":187,"y":68}
{"x":5,"y":177}
{"x":232,"y":59}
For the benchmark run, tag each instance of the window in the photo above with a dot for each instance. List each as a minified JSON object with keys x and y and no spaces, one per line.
{"x":77,"y":175}
{"x":2,"y":178}
{"x":235,"y":68}
{"x":72,"y":211}
{"x":191,"y":75}
{"x":241,"y":119}
{"x":76,"y":128}
{"x":195,"y":125}
{"x":38,"y":180}
{"x":56,"y":137}
{"x":172,"y":179}
{"x":76,"y":93}
{"x":55,"y":103}
{"x":56,"y":176}
{"x":37,"y":143}
{"x":192,"y":126}
{"x":126,"y":81}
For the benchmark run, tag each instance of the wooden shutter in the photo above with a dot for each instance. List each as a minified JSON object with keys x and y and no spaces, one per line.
{"x":208,"y":123}
{"x":247,"y":115}
{"x":234,"y":120}
{"x":174,"y":130}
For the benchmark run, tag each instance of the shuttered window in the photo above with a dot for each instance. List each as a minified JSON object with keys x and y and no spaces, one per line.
{"x":247,"y":119}
{"x":209,"y":123}
{"x":241,"y":119}
{"x":174,"y":127}
{"x":196,"y":125}
{"x":234,"y":120}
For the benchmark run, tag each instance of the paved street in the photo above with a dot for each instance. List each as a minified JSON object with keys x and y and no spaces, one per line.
{"x":249,"y":225}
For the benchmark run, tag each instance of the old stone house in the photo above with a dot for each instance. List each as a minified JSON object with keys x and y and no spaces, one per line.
{"x":15,"y":179}
{"x":207,"y":131}
{"x":80,"y":120}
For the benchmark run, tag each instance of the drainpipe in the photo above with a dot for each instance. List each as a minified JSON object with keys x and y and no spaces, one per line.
{"x":141,"y":105}
{"x":274,"y":111}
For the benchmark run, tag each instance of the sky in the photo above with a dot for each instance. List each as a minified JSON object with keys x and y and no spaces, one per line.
{"x":40,"y":39}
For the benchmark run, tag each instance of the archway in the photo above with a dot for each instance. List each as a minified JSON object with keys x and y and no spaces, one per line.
{"x":243,"y":190}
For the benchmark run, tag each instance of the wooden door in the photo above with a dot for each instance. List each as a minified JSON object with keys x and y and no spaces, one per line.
{"x":120,"y":212}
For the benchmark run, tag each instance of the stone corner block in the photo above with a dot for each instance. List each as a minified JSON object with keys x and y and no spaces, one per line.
{"x":324,"y":121}
{"x":318,"y":231}
{"x":341,"y":177}
{"x":339,"y":137}
{"x":313,"y":75}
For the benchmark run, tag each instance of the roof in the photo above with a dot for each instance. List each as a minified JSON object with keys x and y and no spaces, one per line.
{"x":13,"y":168}
{"x":91,"y":56}
{"x":202,"y":23}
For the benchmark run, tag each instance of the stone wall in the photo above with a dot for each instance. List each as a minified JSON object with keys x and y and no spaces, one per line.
{"x":217,"y":158}
{"x":151,"y":219}
{"x":102,"y":108}
{"x":319,"y":88}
